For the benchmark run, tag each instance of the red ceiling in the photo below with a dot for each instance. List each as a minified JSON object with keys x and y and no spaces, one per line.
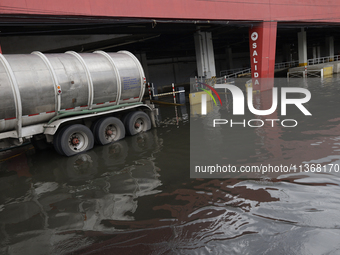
{"x":278,"y":10}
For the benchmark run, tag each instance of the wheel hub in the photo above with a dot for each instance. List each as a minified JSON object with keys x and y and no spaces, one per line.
{"x":75,"y":141}
{"x":109,"y":132}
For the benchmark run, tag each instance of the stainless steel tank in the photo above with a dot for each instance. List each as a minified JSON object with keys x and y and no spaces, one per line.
{"x":34,"y":87}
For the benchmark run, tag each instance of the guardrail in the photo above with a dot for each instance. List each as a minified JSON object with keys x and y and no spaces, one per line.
{"x":223,"y":80}
{"x":315,"y":61}
{"x":237,"y":71}
{"x":286,"y":64}
{"x":235,"y":75}
{"x":152,"y":94}
{"x":231,"y":71}
{"x":307,"y":73}
{"x":215,"y":80}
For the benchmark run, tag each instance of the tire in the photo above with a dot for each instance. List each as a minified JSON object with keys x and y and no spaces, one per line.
{"x":123,"y":118}
{"x":56,"y":143}
{"x":109,"y":130}
{"x":93,"y":128}
{"x":137,"y":122}
{"x":73,"y":139}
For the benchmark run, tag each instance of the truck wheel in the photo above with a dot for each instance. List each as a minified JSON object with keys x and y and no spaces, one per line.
{"x":109,"y":130}
{"x":74,"y":139}
{"x":123,"y":118}
{"x":137,"y":122}
{"x":56,"y":140}
{"x":94,"y":127}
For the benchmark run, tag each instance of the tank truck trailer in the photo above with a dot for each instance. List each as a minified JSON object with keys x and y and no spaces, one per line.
{"x":71,"y":100}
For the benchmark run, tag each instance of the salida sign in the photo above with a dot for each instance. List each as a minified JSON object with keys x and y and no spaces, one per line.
{"x":262,"y":44}
{"x":254,"y":56}
{"x":255,"y":52}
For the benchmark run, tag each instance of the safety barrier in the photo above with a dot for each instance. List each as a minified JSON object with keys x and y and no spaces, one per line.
{"x":314,"y":61}
{"x":235,"y":75}
{"x":153,"y":95}
{"x":287,"y":64}
{"x":322,"y":60}
{"x":232,"y":71}
{"x":309,"y":73}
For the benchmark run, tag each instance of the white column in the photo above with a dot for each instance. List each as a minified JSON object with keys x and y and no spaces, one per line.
{"x":330,"y":47}
{"x":302,"y":42}
{"x":318,"y":51}
{"x":314,"y":52}
{"x":205,"y":54}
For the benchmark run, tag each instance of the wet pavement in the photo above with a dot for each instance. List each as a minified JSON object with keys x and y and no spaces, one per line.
{"x":136,"y":196}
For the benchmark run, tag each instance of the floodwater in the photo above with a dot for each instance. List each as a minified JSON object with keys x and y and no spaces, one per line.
{"x":136,"y":196}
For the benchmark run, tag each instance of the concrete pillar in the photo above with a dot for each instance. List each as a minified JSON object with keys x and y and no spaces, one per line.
{"x":318,"y":52}
{"x":205,"y":54}
{"x":262,"y":43}
{"x":330,"y":48}
{"x":302,"y":43}
{"x":229,"y":58}
{"x":314,"y":52}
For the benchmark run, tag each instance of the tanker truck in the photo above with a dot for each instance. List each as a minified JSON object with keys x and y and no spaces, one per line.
{"x":71,"y":100}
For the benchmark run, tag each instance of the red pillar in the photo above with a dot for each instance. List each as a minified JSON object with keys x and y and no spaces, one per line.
{"x":262,"y":43}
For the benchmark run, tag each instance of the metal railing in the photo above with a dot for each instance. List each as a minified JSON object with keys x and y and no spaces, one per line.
{"x":315,"y":61}
{"x":237,"y":71}
{"x":215,"y":80}
{"x":286,"y":64}
{"x":235,"y":75}
{"x":307,"y":73}
{"x":231,"y":71}
{"x":224,"y":80}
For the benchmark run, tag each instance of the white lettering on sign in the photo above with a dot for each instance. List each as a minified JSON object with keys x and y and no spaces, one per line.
{"x":254,"y":36}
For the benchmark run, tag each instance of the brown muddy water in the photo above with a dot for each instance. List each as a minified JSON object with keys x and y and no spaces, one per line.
{"x":136,"y":196}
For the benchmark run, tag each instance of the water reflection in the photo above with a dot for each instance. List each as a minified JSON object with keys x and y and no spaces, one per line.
{"x":136,"y":196}
{"x":270,"y":143}
{"x":75,"y":193}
